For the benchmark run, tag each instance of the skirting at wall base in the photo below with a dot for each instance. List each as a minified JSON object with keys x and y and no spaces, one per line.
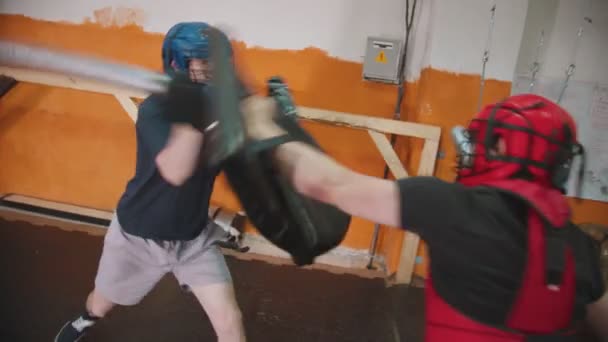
{"x":349,"y":260}
{"x":340,"y":256}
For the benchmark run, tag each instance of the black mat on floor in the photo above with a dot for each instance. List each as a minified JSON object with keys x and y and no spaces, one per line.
{"x":47,"y":273}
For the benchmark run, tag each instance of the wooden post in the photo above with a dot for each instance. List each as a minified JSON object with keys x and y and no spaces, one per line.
{"x":409,"y":249}
{"x":128,"y":105}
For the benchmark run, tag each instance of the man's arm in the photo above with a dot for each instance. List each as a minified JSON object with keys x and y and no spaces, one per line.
{"x":316,"y":175}
{"x":175,"y":147}
{"x":179,"y":158}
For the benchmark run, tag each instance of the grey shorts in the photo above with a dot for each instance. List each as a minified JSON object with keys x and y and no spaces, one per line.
{"x":130,"y":266}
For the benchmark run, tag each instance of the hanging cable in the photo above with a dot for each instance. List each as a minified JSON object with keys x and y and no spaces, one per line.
{"x":409,"y":20}
{"x":535,"y":68}
{"x":486,"y":55}
{"x":571,"y":68}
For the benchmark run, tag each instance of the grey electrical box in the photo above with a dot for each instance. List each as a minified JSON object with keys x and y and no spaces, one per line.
{"x":382,"y":57}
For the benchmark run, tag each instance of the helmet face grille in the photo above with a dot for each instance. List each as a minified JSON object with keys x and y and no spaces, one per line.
{"x":532,"y":139}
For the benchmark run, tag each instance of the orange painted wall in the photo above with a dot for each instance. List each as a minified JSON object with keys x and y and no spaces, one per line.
{"x":447,"y":99}
{"x":89,"y":162}
{"x":79,"y":147}
{"x":442,"y":99}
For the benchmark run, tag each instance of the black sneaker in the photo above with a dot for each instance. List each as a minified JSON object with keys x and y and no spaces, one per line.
{"x":73,"y":331}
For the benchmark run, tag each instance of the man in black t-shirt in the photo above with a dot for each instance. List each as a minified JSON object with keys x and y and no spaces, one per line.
{"x":506,"y":263}
{"x":161,"y":222}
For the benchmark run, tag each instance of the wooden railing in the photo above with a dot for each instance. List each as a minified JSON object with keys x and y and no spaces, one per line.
{"x":376,"y":127}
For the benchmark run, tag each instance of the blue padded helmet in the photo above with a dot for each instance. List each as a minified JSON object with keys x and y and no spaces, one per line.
{"x":183,"y":42}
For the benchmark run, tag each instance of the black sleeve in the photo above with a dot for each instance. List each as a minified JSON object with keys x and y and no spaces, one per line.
{"x":590,"y":286}
{"x":599,"y":284}
{"x":588,"y":255}
{"x":429,"y":204}
{"x":152,"y":127}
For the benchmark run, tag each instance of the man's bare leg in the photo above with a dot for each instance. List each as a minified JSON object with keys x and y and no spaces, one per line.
{"x":219,"y":302}
{"x":97,"y":305}
{"x":316,"y":175}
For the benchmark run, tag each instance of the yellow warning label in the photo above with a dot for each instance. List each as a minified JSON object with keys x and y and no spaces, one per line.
{"x":381,"y":58}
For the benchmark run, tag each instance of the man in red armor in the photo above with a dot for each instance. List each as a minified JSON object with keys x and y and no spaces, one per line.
{"x":506,"y":262}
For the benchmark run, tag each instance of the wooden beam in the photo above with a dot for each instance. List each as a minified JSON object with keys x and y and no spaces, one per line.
{"x":57,"y":80}
{"x":128,"y":105}
{"x":337,"y":118}
{"x":428,"y":158}
{"x":409,"y":249}
{"x":407,"y":259}
{"x":375,"y":125}
{"x":389,"y":154}
{"x":405,"y":128}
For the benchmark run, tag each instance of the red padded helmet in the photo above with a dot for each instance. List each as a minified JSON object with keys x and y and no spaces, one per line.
{"x":539,"y":138}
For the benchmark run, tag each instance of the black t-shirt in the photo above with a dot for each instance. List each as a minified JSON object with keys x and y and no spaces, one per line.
{"x":150,"y":207}
{"x":477,"y":238}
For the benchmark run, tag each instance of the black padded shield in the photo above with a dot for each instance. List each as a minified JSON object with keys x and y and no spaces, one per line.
{"x":228,"y":136}
{"x":301,"y":226}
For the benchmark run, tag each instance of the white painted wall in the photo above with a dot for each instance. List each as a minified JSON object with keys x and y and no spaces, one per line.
{"x":449,"y":34}
{"x":461,"y":30}
{"x":561,"y":20}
